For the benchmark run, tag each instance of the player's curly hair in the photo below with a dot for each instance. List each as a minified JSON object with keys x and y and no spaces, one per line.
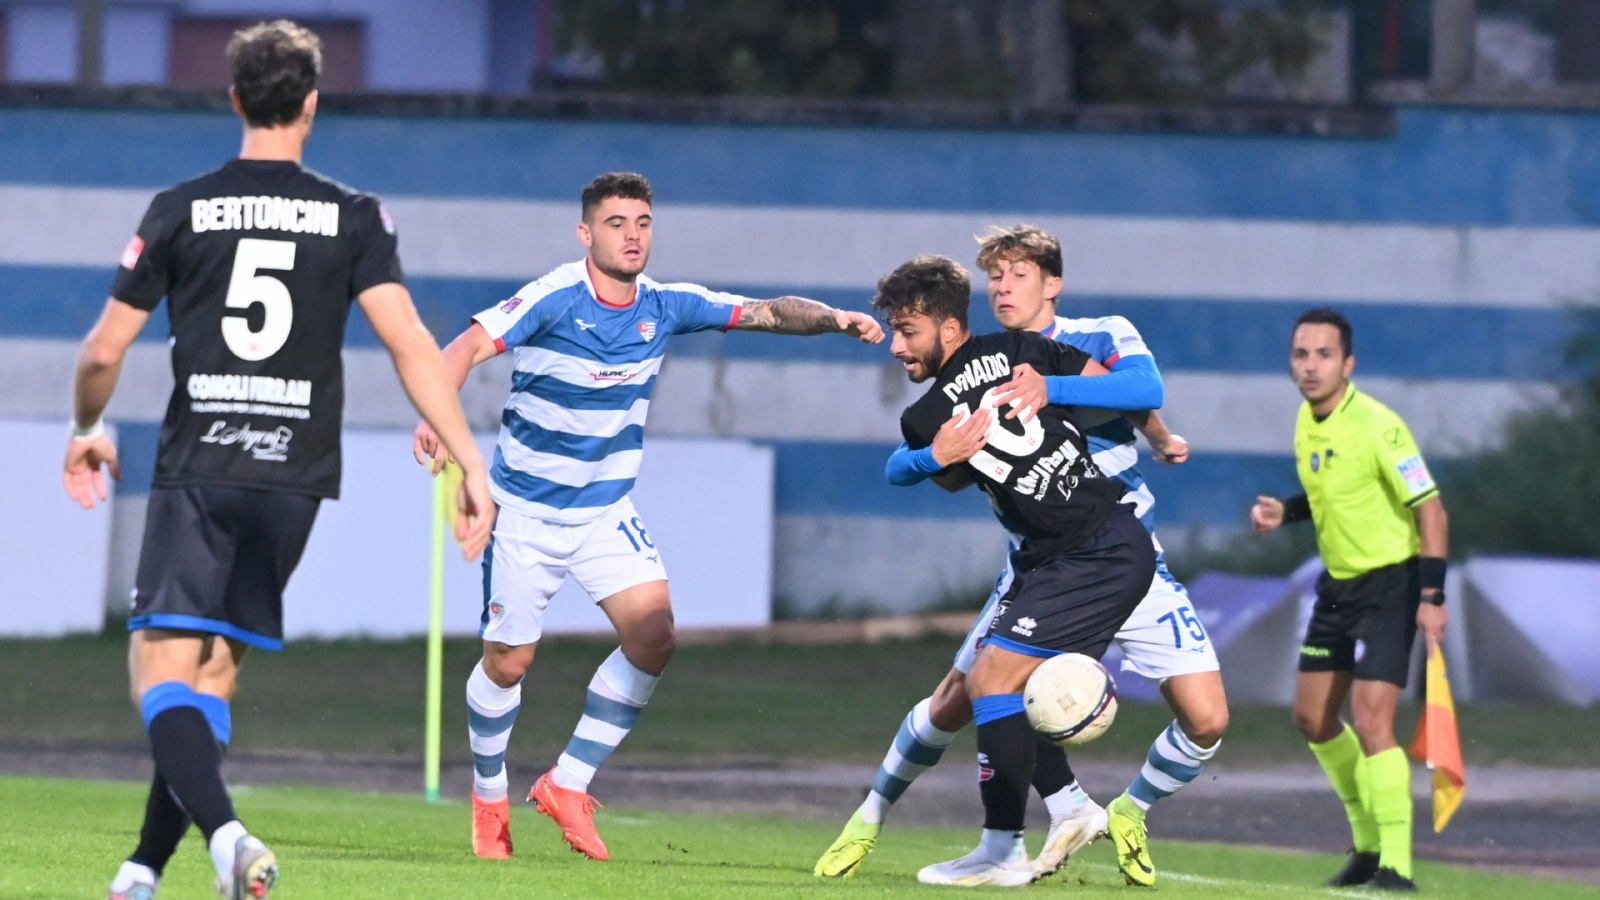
{"x":1020,"y":242}
{"x":275,"y":67}
{"x":627,"y":185}
{"x":935,"y":286}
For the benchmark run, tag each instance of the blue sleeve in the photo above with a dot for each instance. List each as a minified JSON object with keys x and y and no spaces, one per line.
{"x":695,"y":308}
{"x":1134,"y":383}
{"x":907,"y":466}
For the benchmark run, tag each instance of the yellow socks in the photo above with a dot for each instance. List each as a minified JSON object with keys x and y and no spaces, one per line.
{"x":1387,"y":790}
{"x":1341,"y":758}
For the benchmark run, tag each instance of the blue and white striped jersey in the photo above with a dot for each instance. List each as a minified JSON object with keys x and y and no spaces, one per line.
{"x":572,"y":434}
{"x":1112,"y":440}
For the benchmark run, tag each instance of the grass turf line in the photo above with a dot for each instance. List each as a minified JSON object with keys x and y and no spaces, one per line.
{"x":63,"y":838}
{"x":733,"y":700}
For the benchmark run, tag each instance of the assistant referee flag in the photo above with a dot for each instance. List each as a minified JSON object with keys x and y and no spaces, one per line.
{"x":1438,"y":743}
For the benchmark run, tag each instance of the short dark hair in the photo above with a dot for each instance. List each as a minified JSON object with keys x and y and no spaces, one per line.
{"x":1028,"y":243}
{"x":935,"y":286}
{"x":275,"y":67}
{"x":1324,"y":315}
{"x":627,"y":185}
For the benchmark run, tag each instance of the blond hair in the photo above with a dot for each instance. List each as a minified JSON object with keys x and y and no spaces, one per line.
{"x":1029,"y":243}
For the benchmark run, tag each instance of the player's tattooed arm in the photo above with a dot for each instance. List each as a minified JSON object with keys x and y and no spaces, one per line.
{"x":797,"y":315}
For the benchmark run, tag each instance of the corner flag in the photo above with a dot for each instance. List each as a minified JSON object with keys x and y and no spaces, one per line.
{"x":1438,"y":743}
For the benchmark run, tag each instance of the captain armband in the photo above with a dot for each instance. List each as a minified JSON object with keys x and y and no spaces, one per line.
{"x":1296,"y":509}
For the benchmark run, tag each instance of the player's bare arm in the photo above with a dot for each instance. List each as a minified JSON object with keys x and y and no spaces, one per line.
{"x":470,"y":348}
{"x":427,"y":382}
{"x":99,"y":366}
{"x":1164,"y":445}
{"x":1433,"y":531}
{"x":797,"y":315}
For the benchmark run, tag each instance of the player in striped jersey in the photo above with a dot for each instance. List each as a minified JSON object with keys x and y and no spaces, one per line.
{"x":589,"y":338}
{"x":1163,"y":640}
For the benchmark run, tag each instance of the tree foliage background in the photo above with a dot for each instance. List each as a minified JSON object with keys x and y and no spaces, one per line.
{"x":982,"y":50}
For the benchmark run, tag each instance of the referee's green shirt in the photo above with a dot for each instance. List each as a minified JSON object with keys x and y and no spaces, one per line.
{"x":1363,"y":474}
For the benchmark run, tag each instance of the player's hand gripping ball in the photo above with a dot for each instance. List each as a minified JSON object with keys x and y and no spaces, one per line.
{"x":1070,"y":699}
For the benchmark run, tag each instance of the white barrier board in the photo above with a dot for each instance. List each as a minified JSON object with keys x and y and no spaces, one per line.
{"x":707,"y":504}
{"x":54,"y":552}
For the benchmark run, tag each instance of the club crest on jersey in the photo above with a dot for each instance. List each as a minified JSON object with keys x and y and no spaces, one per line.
{"x":647,"y":330}
{"x":1316,"y":462}
{"x":496,"y":611}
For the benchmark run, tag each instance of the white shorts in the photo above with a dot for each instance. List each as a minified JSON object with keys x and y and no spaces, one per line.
{"x":528,"y":559}
{"x":1161,"y":639}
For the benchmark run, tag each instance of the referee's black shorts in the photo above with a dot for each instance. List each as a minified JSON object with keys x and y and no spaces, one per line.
{"x":216,"y":560}
{"x":1366,"y":624}
{"x":1077,"y":601}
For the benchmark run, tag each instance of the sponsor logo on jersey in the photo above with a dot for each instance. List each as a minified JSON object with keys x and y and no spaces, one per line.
{"x":584,"y":326}
{"x":1318,"y":652}
{"x":383,"y":216}
{"x":256,"y":388}
{"x":497,"y":611}
{"x":130,"y":253}
{"x":612,"y":374}
{"x":267,"y":446}
{"x":1037,"y":481}
{"x":980,"y":371}
{"x":293,"y":215}
{"x":1392,"y":438}
{"x":1416,"y":473}
{"x":511,"y":305}
{"x":1025,"y":626}
{"x":647,"y":330}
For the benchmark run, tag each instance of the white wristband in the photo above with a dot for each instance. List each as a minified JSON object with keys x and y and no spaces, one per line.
{"x":90,"y":433}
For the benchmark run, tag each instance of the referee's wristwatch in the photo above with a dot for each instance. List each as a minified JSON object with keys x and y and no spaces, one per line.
{"x":1434,"y":597}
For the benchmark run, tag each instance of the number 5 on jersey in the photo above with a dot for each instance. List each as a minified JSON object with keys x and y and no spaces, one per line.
{"x":247,"y":287}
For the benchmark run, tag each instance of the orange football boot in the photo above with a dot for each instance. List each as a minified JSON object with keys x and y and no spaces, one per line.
{"x":491,"y":828}
{"x":574,"y":812}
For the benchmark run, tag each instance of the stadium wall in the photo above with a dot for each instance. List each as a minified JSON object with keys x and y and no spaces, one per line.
{"x":1457,"y":245}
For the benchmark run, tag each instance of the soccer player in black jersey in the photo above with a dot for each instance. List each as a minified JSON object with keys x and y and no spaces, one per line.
{"x":259,"y":261}
{"x":1085,"y":562}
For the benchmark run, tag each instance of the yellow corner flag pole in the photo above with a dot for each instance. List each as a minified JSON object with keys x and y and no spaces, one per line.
{"x":444,"y":514}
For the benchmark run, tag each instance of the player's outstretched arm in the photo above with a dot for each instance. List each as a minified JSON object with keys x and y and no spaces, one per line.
{"x":1166,"y":446}
{"x":99,"y":366}
{"x":797,"y":315}
{"x":433,"y":389}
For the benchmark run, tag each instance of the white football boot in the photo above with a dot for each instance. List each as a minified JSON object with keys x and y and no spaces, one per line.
{"x":979,"y":868}
{"x":1068,"y":835}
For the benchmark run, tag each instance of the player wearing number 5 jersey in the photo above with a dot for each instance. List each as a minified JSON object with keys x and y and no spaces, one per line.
{"x":588,"y":339}
{"x":258,"y":261}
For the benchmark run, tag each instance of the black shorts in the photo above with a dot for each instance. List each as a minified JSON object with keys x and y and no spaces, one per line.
{"x":1075,"y":602}
{"x":216,"y":559}
{"x":1365,"y":624}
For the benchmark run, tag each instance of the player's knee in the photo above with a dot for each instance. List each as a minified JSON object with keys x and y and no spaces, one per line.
{"x":651,"y":643}
{"x":505,"y":664}
{"x":1374,"y":726}
{"x":949,"y":709}
{"x":1206,"y":728}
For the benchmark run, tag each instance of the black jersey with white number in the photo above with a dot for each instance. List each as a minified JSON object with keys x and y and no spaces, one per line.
{"x":259,"y":261}
{"x":1038,"y":475}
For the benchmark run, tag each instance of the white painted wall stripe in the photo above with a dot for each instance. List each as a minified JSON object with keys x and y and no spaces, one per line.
{"x":803,"y":401}
{"x":851,"y":249}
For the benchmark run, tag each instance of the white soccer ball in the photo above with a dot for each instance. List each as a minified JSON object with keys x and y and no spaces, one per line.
{"x":1070,"y":699}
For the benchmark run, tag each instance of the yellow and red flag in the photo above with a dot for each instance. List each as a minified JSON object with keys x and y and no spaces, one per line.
{"x":1438,"y":743}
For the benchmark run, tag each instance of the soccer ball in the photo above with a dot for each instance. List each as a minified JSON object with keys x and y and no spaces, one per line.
{"x":1070,"y":699}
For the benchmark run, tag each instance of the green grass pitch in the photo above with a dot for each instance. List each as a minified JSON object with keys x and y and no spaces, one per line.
{"x":64,"y":839}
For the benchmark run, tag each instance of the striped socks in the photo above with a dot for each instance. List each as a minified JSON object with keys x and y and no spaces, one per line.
{"x":918,"y":745}
{"x":1173,"y":761}
{"x":617,"y":694}
{"x":491,"y":711}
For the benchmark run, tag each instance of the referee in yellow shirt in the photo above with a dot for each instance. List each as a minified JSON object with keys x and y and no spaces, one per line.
{"x":1382,"y":535}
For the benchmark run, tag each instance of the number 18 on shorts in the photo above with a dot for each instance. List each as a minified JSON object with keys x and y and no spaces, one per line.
{"x":529,"y":559}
